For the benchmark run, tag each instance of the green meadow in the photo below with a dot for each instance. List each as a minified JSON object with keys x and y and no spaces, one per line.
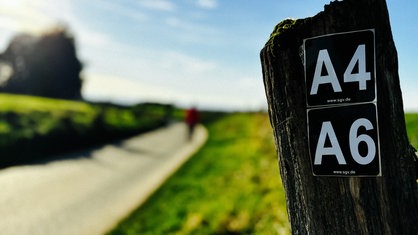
{"x":411,"y":121}
{"x":231,"y":186}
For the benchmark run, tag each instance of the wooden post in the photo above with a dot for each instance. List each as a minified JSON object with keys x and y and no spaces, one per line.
{"x":382,"y":204}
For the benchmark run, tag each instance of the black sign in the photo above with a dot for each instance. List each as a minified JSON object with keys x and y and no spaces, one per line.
{"x":343,"y":140}
{"x":339,"y":68}
{"x":341,"y":104}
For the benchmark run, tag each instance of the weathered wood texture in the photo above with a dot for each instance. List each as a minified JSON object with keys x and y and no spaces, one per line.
{"x":337,"y":205}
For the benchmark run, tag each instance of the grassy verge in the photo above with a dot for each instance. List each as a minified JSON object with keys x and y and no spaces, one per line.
{"x":34,"y":127}
{"x":411,"y":120}
{"x":231,"y":186}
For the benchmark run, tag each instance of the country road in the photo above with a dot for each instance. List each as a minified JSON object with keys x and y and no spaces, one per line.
{"x":89,"y":192}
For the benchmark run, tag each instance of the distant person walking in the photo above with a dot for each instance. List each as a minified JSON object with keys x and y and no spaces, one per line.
{"x":192,"y":118}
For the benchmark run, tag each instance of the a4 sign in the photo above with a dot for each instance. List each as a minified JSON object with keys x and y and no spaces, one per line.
{"x":341,"y":104}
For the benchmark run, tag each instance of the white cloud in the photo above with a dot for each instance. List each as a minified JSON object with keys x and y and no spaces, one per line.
{"x":186,"y":64}
{"x":28,"y":16}
{"x":173,"y":77}
{"x":118,"y":89}
{"x":7,"y":23}
{"x":410,"y":104}
{"x":114,"y":7}
{"x":128,"y":91}
{"x":161,"y":5}
{"x":185,"y":31}
{"x":94,"y":38}
{"x":208,"y":4}
{"x":409,"y":97}
{"x":23,"y":15}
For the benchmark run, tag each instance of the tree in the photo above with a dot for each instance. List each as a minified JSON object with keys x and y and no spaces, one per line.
{"x":43,"y":66}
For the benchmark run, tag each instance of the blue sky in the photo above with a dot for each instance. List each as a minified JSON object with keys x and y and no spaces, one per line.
{"x":186,"y":52}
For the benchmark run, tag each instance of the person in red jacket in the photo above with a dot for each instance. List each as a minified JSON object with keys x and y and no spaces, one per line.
{"x":192,"y":118}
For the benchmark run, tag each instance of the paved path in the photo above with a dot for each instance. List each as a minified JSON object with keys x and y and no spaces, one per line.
{"x":89,"y":193}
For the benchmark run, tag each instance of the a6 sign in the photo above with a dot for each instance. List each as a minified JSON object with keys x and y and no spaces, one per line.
{"x":341,"y":104}
{"x":343,"y":140}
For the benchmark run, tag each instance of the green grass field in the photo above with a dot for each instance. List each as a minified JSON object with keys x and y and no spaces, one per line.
{"x":232,"y":186}
{"x":411,"y":121}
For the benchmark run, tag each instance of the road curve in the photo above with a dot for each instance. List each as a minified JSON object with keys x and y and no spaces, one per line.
{"x":89,"y":192}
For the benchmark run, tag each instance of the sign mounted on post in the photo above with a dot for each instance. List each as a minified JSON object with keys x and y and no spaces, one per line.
{"x":341,"y":104}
